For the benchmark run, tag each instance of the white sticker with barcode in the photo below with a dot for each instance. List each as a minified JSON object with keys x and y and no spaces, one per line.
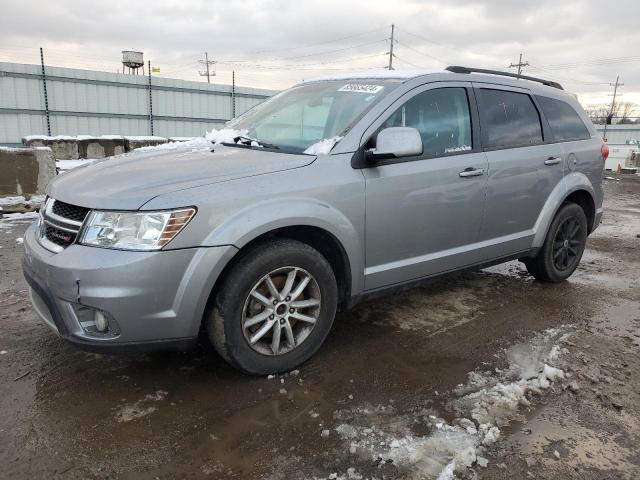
{"x":360,"y":88}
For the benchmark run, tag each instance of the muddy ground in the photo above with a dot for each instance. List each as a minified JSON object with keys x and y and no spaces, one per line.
{"x":390,"y":370}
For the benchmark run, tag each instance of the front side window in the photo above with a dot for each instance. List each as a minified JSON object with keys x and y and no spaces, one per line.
{"x":301,"y":116}
{"x":441,"y":116}
{"x":509,"y":118}
{"x":564,"y":121}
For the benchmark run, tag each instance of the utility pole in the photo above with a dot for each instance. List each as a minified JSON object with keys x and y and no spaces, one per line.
{"x":519,"y":65}
{"x":207,"y":73}
{"x":393,"y":27}
{"x":613,"y":104}
{"x":44,"y":89}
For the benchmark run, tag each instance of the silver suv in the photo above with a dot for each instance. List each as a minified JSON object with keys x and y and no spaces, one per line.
{"x":327,"y":193}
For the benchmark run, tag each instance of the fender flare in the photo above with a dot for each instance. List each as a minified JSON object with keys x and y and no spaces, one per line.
{"x":255,"y":220}
{"x":571,"y":183}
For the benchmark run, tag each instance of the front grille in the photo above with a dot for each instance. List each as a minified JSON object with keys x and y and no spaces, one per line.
{"x":59,"y":237}
{"x":72,"y":212}
{"x":60,"y":224}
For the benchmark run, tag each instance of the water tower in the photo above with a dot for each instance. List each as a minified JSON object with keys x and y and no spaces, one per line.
{"x":132,"y":60}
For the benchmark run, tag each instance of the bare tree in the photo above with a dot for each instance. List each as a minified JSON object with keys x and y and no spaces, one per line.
{"x":623,"y":112}
{"x":627,"y":111}
{"x":597,"y":112}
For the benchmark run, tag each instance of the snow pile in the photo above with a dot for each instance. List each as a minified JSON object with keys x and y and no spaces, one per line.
{"x":487,"y":402}
{"x":323,"y":147}
{"x":20,"y":200}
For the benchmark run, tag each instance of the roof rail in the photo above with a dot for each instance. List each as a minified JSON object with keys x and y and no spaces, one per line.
{"x":458,"y":69}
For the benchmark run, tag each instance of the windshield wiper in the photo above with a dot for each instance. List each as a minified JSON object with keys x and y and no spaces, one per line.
{"x":244,"y":140}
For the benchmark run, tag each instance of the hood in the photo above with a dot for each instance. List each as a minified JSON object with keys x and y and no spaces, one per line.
{"x":129,"y":181}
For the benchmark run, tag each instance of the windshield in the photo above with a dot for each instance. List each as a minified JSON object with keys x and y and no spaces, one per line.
{"x":303,"y":116}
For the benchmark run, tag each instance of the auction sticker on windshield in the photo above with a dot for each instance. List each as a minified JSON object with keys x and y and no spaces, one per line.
{"x":360,"y":88}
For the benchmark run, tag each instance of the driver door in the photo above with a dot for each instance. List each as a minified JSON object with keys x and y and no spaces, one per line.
{"x":424,"y":213}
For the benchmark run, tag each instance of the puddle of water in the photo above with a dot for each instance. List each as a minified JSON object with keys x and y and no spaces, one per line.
{"x":581,"y":447}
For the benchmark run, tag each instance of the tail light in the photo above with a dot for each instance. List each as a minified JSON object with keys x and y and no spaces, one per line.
{"x":604,"y":150}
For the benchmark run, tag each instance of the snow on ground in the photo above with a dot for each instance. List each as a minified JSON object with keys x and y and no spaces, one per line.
{"x":17,"y":217}
{"x":486,"y":403}
{"x":323,"y":147}
{"x":20,"y":200}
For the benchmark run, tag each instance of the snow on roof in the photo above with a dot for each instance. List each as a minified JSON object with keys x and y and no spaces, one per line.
{"x":379,"y":74}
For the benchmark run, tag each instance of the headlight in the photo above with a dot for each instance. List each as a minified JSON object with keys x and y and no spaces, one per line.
{"x":134,"y":230}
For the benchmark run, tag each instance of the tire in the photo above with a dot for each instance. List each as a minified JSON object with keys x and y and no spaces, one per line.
{"x":236,"y":306}
{"x":563,"y":247}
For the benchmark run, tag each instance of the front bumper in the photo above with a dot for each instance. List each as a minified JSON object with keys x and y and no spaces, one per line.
{"x":157,"y":299}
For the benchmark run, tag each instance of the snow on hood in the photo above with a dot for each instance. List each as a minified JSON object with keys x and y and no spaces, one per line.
{"x":224,"y":135}
{"x":323,"y":147}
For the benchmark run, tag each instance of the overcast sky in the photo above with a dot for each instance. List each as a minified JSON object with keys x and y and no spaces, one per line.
{"x":275,"y":43}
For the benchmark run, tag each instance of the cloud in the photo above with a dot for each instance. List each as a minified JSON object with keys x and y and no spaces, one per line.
{"x":275,"y":43}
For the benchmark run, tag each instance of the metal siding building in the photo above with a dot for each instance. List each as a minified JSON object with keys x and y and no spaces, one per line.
{"x":621,"y":134}
{"x":86,"y":102}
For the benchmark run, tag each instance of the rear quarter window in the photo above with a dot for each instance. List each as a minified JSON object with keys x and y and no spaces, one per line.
{"x":564,"y":121}
{"x":510,"y":119}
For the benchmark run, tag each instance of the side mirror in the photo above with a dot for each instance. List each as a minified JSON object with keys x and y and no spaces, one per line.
{"x":396,"y":142}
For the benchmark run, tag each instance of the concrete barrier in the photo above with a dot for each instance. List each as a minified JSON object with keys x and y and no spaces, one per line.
{"x":62,"y":146}
{"x":131,"y":143}
{"x":25,"y":171}
{"x":85,"y":146}
{"x":100,"y":147}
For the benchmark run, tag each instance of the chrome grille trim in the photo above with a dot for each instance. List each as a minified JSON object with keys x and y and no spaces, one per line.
{"x":54,"y":228}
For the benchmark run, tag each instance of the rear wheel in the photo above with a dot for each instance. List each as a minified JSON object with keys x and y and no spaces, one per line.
{"x":275,"y":308}
{"x":563,"y":247}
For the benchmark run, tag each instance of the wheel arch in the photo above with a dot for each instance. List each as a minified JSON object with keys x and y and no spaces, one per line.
{"x":576,"y":188}
{"x":316,"y":237}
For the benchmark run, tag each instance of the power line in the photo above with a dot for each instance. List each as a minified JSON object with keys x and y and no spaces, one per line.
{"x":305,"y":55}
{"x":361,"y":34}
{"x":421,"y":53}
{"x":569,"y":80}
{"x":592,"y":62}
{"x":422,"y":38}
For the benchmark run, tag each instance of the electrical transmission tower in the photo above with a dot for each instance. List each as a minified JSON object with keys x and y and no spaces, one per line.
{"x":519,"y":65}
{"x":207,"y":72}
{"x":613,"y":104}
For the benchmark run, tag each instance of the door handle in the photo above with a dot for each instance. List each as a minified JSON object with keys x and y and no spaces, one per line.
{"x":471,"y":172}
{"x":552,"y":161}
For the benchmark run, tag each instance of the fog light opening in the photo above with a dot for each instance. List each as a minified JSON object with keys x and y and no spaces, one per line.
{"x":101,"y":322}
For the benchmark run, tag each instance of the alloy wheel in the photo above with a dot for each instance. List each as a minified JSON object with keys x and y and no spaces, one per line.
{"x":567,"y":244}
{"x":281,"y":310}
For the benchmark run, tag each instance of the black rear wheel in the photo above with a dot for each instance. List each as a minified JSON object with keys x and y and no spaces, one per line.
{"x":563,"y":247}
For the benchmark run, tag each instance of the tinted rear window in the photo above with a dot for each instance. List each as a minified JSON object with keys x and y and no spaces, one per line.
{"x":510,"y":119}
{"x":564,"y":121}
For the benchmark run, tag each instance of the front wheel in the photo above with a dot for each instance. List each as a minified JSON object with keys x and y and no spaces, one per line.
{"x":275,"y":308}
{"x":563,"y":247}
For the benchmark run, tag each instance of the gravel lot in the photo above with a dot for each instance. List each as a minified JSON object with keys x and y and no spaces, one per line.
{"x":386,"y":397}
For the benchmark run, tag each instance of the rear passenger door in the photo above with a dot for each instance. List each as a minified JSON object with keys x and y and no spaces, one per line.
{"x":523,"y":167}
